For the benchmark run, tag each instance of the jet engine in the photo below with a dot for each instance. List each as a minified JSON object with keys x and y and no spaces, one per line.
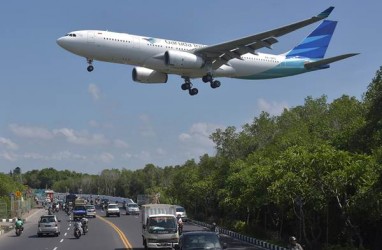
{"x":183,"y":60}
{"x":145,"y":75}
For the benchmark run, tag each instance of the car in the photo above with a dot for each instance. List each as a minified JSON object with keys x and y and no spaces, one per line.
{"x":90,"y":211}
{"x":200,"y":240}
{"x":48,"y":224}
{"x":112,"y":209}
{"x":182,"y":212}
{"x":132,"y":208}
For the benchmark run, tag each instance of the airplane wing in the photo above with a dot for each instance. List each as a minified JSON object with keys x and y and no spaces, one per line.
{"x":326,"y":61}
{"x":220,"y":54}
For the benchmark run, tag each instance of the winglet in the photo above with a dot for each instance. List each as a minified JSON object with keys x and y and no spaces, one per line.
{"x":325,"y":13}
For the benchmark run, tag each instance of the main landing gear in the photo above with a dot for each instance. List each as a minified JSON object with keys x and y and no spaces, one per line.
{"x":214,"y":83}
{"x":187,"y":85}
{"x":90,"y":67}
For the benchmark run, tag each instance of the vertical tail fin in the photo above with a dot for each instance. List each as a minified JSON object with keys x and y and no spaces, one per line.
{"x":315,"y":45}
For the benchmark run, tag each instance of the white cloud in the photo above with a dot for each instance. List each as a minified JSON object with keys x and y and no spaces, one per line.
{"x":7,"y":143}
{"x":127,"y":155}
{"x":161,"y":151}
{"x":146,"y":127}
{"x":144,"y":156}
{"x":67,"y":155}
{"x":184,"y":137}
{"x":82,"y":138}
{"x":107,"y":157}
{"x":120,"y":143}
{"x":94,"y":124}
{"x":94,"y":91}
{"x":196,"y":141}
{"x":198,"y":134}
{"x":34,"y":156}
{"x":273,"y":108}
{"x":8,"y":156}
{"x":31,"y":132}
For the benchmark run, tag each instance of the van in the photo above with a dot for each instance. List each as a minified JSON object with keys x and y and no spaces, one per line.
{"x":182,"y":212}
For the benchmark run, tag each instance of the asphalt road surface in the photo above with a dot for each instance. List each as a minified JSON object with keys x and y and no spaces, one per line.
{"x":114,"y":233}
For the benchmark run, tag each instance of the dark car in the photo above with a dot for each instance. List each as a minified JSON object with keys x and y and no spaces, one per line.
{"x":200,"y":240}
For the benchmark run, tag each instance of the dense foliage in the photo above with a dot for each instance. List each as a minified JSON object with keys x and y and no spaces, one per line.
{"x":314,"y":171}
{"x":10,"y":184}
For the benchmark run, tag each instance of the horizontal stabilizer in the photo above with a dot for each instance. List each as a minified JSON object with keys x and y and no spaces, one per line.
{"x":326,"y":61}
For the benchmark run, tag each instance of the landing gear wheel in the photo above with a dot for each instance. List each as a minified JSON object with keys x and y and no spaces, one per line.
{"x":193,"y":91}
{"x":207,"y":78}
{"x":90,"y":68}
{"x":215,"y":84}
{"x":186,"y":86}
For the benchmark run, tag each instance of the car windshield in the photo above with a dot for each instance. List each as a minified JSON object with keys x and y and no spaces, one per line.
{"x":207,"y":241}
{"x":113,"y":206}
{"x":47,"y":219}
{"x":79,"y":208}
{"x":163,"y":224}
{"x":90,"y":207}
{"x":133,"y":205}
{"x":180,"y":209}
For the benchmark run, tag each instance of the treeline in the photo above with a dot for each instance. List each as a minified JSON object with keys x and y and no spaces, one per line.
{"x":314,"y":172}
{"x":9,"y":184}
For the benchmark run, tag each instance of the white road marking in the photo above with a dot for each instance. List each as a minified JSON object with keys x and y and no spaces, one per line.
{"x":61,"y":240}
{"x":55,"y":248}
{"x":68,"y":228}
{"x":65,"y":234}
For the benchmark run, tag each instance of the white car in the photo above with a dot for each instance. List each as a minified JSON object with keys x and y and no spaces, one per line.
{"x":132,"y":208}
{"x":90,"y":210}
{"x":48,"y":224}
{"x":112,"y":209}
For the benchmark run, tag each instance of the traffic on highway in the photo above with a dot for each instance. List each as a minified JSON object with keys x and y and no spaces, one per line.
{"x":104,"y":222}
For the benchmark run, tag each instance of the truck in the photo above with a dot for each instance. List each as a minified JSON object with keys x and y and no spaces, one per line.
{"x":69,"y":200}
{"x":159,"y":226}
{"x":79,"y":209}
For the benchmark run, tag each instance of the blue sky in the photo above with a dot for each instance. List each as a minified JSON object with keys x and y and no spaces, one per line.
{"x":53,"y":113}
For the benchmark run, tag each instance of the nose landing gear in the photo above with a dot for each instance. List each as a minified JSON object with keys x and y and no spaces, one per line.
{"x":90,"y":68}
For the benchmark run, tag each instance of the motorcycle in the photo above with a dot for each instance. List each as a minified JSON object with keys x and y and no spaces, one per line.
{"x":84,"y":224}
{"x":78,"y":230}
{"x":19,"y":231}
{"x":180,"y":228}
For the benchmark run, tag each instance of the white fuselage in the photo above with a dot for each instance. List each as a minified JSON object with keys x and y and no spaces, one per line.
{"x":149,"y":53}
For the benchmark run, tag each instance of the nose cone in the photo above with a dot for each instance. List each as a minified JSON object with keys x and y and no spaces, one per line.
{"x":61,"y":41}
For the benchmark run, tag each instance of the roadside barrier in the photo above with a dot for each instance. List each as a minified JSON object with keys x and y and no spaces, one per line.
{"x":241,"y":237}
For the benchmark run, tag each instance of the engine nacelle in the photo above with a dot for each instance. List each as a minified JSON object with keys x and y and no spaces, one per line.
{"x":145,"y":75}
{"x":183,"y":60}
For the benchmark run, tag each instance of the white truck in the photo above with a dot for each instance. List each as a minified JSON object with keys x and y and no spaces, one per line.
{"x":159,"y":226}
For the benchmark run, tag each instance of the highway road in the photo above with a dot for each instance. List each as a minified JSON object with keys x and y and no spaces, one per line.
{"x":104,"y":233}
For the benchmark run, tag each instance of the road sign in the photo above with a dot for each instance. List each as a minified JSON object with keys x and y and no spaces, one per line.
{"x":18,"y":194}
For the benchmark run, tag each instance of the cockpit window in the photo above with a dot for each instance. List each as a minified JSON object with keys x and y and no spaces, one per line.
{"x":71,"y":34}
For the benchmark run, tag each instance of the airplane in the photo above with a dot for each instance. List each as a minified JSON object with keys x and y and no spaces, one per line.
{"x":155,"y":58}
